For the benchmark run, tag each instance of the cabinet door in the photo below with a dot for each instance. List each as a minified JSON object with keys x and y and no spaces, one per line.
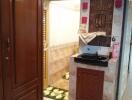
{"x":22,"y":46}
{"x":89,"y":84}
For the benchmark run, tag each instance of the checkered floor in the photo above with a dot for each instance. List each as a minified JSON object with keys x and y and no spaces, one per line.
{"x":55,"y":93}
{"x":62,"y":84}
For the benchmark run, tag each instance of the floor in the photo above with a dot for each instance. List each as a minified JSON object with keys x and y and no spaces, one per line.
{"x":62,"y":84}
{"x":128,"y":93}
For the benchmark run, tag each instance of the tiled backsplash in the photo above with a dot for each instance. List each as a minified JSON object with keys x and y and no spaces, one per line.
{"x":59,"y":57}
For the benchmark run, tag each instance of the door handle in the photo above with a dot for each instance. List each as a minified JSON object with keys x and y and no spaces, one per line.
{"x":7,"y":48}
{"x":6,"y":58}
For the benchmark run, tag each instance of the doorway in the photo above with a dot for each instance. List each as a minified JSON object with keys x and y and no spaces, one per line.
{"x":61,"y":21}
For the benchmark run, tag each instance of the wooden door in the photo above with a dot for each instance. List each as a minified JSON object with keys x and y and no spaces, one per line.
{"x":22,"y":49}
{"x":89,"y":84}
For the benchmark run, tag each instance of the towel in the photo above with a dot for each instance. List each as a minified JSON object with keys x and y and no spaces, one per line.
{"x":88,"y":37}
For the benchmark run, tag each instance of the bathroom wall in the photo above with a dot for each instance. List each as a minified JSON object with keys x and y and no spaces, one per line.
{"x":116,"y":27}
{"x":59,"y":60}
{"x":116,"y":32}
{"x":63,"y":22}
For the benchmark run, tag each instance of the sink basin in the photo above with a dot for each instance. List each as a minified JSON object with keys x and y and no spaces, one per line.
{"x":92,"y":59}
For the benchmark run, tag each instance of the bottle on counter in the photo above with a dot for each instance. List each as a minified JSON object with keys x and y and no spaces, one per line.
{"x":115,"y":50}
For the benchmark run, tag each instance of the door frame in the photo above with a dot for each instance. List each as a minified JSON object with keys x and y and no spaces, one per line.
{"x":1,"y":71}
{"x":1,"y":74}
{"x":121,"y":49}
{"x":1,"y":54}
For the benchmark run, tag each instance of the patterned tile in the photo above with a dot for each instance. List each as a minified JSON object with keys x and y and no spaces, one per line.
{"x":54,"y":93}
{"x":47,"y":98}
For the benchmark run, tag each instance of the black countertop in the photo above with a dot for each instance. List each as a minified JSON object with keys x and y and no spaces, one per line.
{"x":92,"y":59}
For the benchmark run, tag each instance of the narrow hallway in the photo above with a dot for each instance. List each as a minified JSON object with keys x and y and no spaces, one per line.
{"x":128,"y":93}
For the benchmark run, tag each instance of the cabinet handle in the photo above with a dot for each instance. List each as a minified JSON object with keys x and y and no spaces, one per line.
{"x":6,"y":58}
{"x":7,"y":48}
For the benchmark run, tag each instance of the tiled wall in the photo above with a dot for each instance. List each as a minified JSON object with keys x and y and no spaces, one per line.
{"x":116,"y":32}
{"x":59,"y":57}
{"x":116,"y":27}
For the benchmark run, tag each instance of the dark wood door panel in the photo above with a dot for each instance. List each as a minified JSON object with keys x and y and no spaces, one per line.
{"x":30,"y":95}
{"x":89,"y":84}
{"x":4,"y":30}
{"x":25,"y":44}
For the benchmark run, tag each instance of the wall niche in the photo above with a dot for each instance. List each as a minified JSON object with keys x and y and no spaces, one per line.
{"x":101,"y":18}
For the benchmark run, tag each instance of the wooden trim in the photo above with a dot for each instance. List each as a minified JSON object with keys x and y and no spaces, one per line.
{"x":1,"y":74}
{"x":4,"y":33}
{"x":46,"y":39}
{"x":40,"y":48}
{"x":1,"y":92}
{"x":45,"y":54}
{"x":1,"y":77}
